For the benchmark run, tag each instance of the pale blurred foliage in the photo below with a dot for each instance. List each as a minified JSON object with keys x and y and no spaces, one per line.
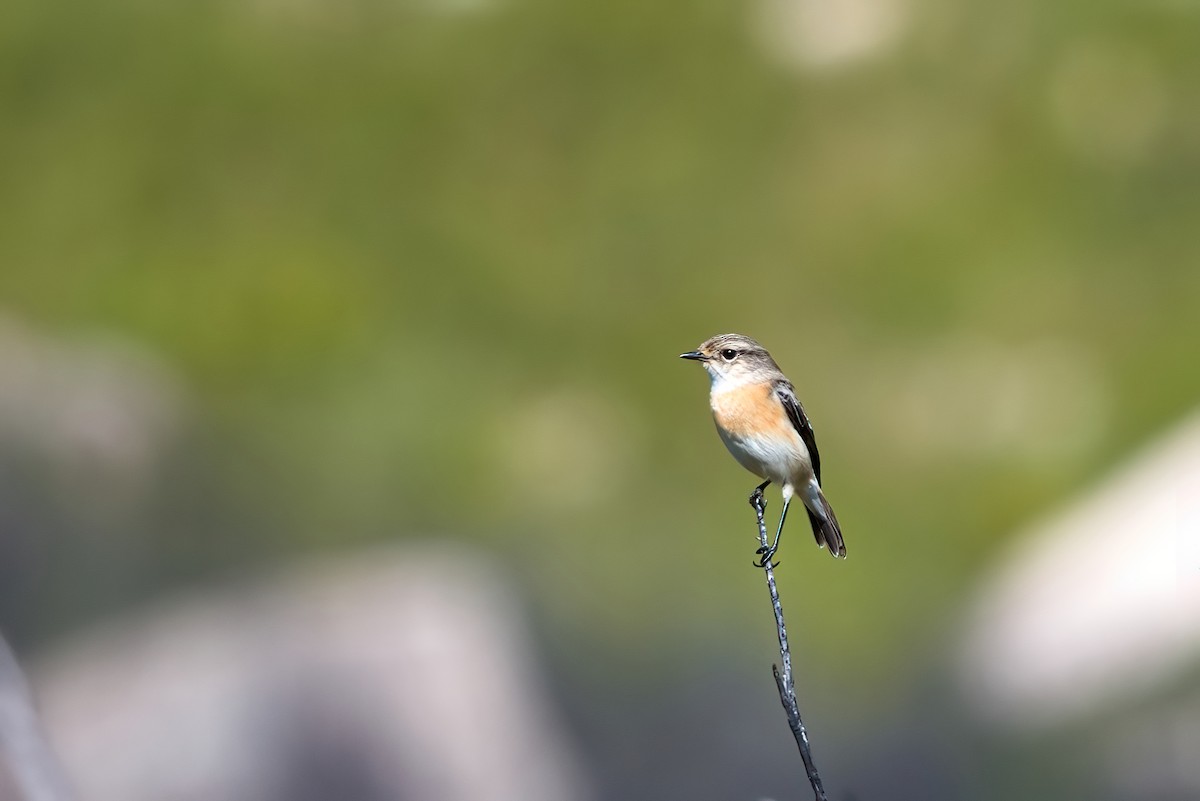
{"x":1032,"y":402}
{"x":569,"y":449}
{"x":813,"y":34}
{"x":1109,"y":102}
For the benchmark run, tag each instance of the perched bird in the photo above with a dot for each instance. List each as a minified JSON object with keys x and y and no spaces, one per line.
{"x":763,"y":425}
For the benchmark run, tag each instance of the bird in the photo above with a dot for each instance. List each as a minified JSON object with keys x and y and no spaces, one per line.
{"x":763,"y":424}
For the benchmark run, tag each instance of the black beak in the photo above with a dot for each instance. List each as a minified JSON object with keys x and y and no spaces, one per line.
{"x":694,"y":355}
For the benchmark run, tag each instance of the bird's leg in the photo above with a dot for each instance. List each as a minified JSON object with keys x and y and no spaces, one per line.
{"x":758,"y":493}
{"x":767,"y":553}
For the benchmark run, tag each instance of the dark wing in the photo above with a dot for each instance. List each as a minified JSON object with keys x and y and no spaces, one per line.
{"x":795,"y":412}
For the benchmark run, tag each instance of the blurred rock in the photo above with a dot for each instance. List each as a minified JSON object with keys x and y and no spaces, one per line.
{"x":98,"y":411}
{"x":1097,"y":612}
{"x":28,"y":770}
{"x":88,"y":426}
{"x":401,"y":673}
{"x":1101,"y":601}
{"x":1152,"y":755}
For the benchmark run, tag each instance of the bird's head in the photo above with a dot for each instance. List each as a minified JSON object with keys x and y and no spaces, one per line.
{"x":733,"y":359}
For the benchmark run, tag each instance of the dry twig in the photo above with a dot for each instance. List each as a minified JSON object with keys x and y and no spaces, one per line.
{"x":783,"y":679}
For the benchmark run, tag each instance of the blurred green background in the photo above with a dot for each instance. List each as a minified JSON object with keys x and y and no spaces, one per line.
{"x":422,"y":269}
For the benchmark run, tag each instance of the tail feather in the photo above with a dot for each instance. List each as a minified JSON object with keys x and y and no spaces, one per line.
{"x":826,"y":529}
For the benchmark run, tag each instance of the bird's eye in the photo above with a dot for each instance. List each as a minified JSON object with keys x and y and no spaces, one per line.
{"x":729,"y":354}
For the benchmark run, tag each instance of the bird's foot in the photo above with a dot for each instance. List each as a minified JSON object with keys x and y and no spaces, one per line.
{"x":767,"y":554}
{"x":756,"y":497}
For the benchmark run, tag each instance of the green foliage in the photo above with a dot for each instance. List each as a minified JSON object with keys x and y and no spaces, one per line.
{"x":425,"y":271}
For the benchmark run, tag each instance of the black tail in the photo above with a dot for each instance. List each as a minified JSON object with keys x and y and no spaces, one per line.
{"x":826,"y":530}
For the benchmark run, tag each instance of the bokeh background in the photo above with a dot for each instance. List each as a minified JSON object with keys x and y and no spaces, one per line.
{"x":309,"y":288}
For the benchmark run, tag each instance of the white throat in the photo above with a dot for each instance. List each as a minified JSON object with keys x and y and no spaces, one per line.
{"x":721,"y":382}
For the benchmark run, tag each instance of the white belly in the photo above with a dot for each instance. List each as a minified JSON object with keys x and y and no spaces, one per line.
{"x":784,"y":460}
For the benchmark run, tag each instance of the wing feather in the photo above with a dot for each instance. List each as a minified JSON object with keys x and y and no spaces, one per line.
{"x":786,"y":394}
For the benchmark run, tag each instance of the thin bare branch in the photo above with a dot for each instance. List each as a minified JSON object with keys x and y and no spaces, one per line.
{"x":783,"y":679}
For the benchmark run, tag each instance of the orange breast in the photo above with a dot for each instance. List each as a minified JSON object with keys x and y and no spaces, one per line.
{"x":751,"y":410}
